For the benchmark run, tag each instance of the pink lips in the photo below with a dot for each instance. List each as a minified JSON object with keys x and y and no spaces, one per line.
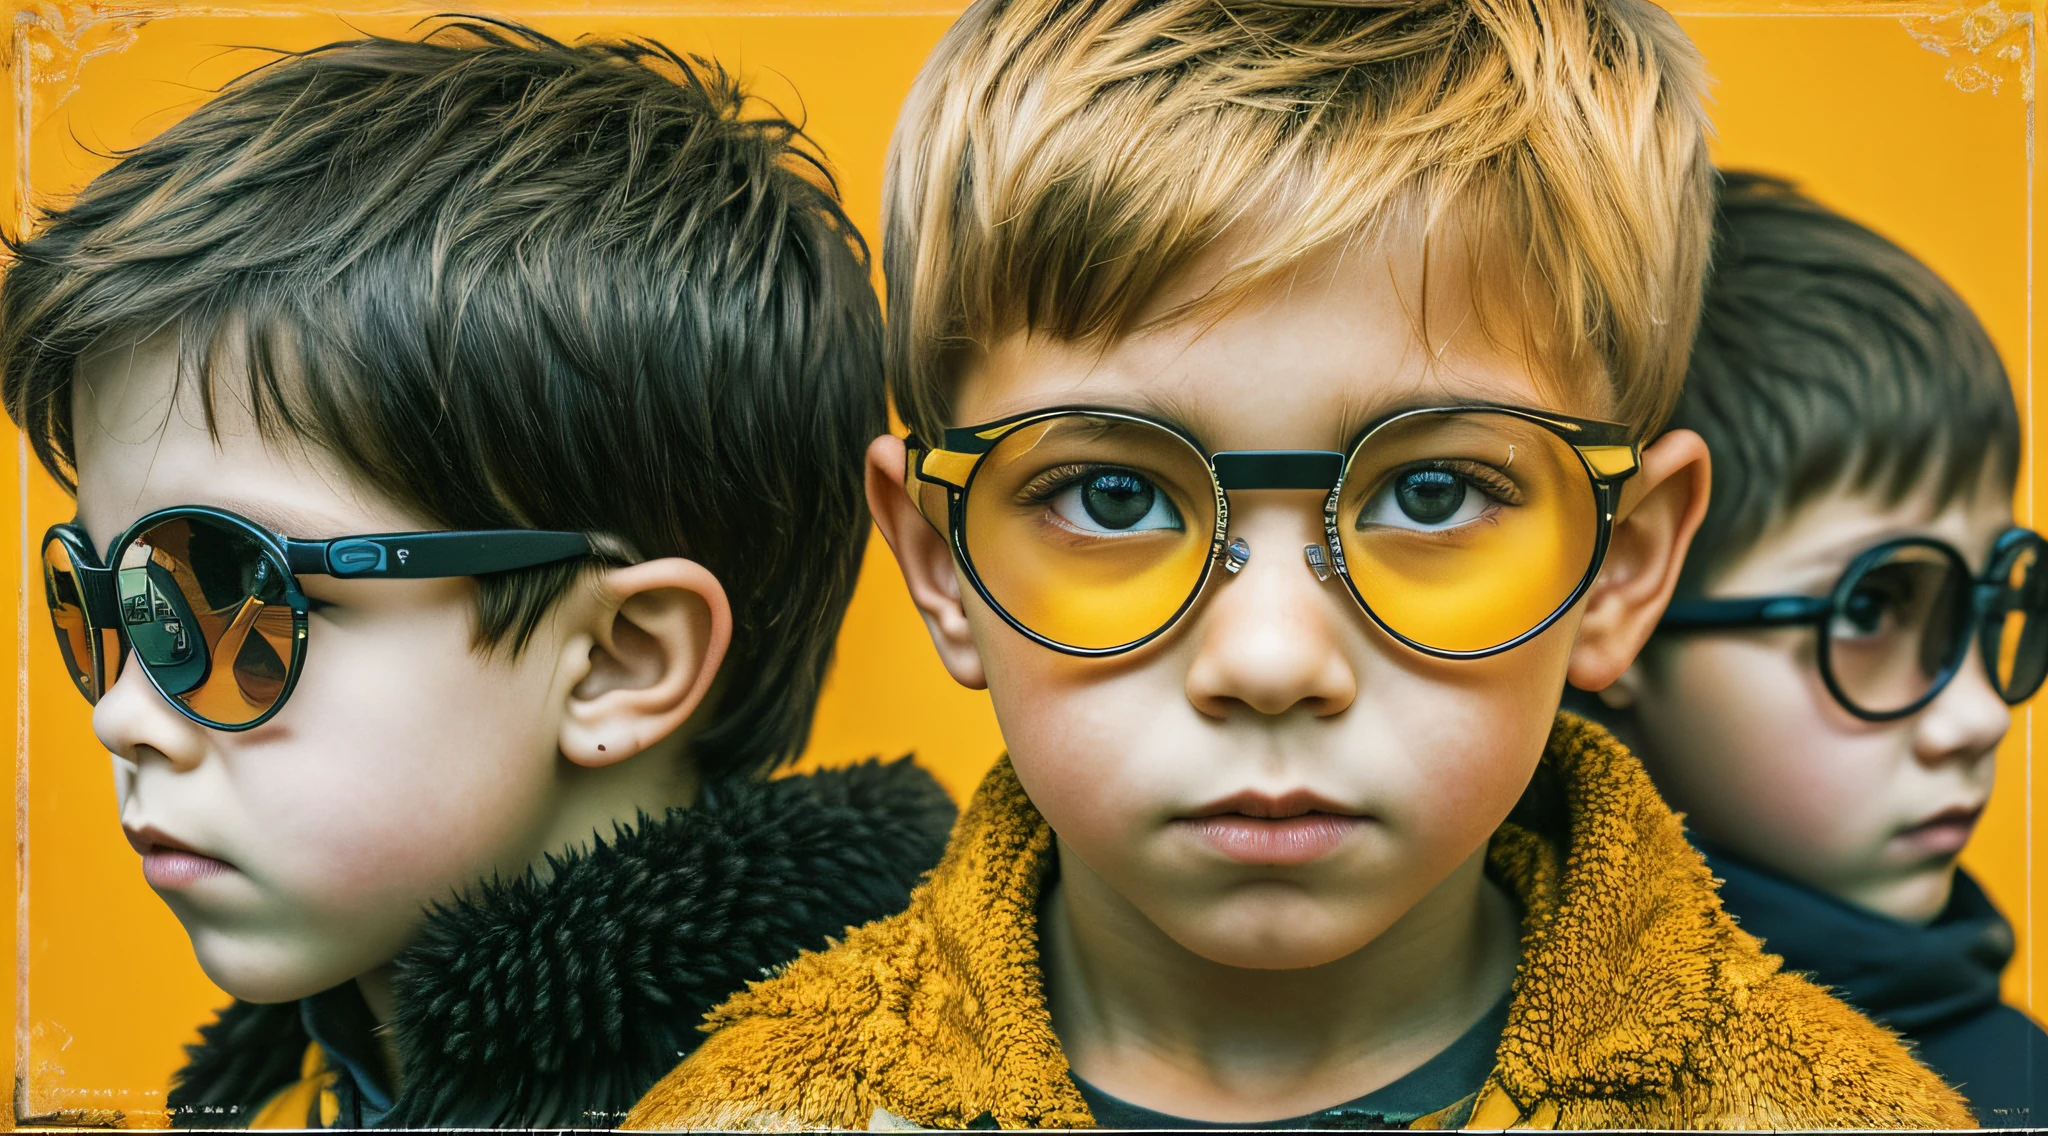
{"x":1291,"y":829}
{"x":1945,"y":832}
{"x":168,"y":862}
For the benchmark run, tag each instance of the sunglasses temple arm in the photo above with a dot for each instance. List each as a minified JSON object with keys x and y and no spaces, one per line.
{"x":430,"y":555}
{"x":1750,"y":611}
{"x":917,"y":481}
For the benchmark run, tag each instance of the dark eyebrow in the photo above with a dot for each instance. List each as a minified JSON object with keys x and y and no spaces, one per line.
{"x":298,"y":524}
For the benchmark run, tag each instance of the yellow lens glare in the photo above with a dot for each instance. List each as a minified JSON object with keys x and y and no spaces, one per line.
{"x":1091,"y":530}
{"x":1465,"y":529}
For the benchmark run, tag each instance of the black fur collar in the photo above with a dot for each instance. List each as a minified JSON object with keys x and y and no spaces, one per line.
{"x":557,"y":1004}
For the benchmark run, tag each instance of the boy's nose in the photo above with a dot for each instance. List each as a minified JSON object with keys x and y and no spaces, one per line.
{"x":132,"y":720}
{"x":1966,"y":720}
{"x":1270,"y":637}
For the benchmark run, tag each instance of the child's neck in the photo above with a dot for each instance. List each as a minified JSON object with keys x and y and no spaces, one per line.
{"x":378,"y":995}
{"x":590,"y":804}
{"x":1146,"y":1020}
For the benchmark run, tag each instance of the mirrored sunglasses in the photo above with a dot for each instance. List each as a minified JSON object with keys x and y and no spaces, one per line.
{"x":208,"y":603}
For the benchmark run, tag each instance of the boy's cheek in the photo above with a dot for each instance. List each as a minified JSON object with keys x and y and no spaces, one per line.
{"x":1746,"y":738}
{"x":1112,"y":751}
{"x":347,"y":820}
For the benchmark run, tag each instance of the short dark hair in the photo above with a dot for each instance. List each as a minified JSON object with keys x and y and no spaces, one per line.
{"x":512,"y":282}
{"x":1827,"y":355}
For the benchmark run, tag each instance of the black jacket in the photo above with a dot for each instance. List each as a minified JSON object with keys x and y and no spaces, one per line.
{"x":1937,"y":984}
{"x":558,"y":1003}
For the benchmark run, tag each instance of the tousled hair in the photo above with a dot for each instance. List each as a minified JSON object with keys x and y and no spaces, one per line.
{"x":509,"y":282}
{"x":1827,"y":358}
{"x":1058,"y":161}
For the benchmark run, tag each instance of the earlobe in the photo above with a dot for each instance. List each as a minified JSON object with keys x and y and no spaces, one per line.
{"x":1662,"y":510}
{"x":659,"y":635}
{"x":926,"y":558}
{"x":1621,"y":693}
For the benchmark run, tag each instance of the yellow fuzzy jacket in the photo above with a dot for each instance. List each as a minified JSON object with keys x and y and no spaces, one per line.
{"x":1638,"y":1002}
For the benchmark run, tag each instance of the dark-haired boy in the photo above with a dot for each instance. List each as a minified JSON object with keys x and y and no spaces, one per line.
{"x":465,"y":436}
{"x":1279,"y":377}
{"x":1830,"y":688}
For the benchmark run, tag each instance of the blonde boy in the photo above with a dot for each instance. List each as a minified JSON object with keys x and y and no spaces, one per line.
{"x":1280,"y":378}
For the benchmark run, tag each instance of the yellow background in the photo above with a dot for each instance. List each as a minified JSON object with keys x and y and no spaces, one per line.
{"x":1912,"y":118}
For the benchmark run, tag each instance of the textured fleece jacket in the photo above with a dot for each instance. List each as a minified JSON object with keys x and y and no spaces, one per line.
{"x":555,"y":1003}
{"x":1637,"y":1003}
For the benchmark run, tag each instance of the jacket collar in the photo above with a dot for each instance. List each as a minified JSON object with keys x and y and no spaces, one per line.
{"x":1621,"y":936}
{"x":1625,"y":952}
{"x":557,"y":1002}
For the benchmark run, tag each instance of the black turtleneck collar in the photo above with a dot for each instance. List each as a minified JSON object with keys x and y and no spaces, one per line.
{"x":556,"y":1003}
{"x":1909,"y":976}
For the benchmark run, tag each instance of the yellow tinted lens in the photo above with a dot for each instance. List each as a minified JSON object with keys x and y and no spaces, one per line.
{"x":1462,"y":530}
{"x":1091,"y":531}
{"x":204,"y":608}
{"x":75,"y":632}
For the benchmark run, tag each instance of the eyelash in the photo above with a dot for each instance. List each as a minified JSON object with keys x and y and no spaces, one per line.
{"x":1483,"y":477}
{"x":1060,"y":478}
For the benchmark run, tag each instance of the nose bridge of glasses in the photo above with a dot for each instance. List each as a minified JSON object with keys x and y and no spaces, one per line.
{"x":96,"y":591}
{"x":1250,"y":470}
{"x":1278,"y":469}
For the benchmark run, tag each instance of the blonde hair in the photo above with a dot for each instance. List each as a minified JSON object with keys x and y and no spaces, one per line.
{"x":1058,"y":161}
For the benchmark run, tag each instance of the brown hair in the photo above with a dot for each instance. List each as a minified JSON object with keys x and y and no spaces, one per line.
{"x":1829,"y":356}
{"x":512,"y":283}
{"x":1058,"y":160}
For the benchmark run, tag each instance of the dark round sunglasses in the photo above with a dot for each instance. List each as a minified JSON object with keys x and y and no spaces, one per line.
{"x":210,"y":604}
{"x":1898,"y":624}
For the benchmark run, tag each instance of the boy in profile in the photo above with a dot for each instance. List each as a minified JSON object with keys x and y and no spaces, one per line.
{"x":1279,"y":376}
{"x":1829,"y":692}
{"x":465,"y":436}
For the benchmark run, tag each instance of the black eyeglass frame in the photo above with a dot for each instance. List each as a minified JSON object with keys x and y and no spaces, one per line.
{"x":390,"y":556}
{"x":1975,"y":607}
{"x":1605,"y":449}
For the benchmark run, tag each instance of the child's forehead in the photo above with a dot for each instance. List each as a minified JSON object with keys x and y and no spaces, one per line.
{"x":143,"y":442}
{"x":1310,"y":359}
{"x":1814,"y":542}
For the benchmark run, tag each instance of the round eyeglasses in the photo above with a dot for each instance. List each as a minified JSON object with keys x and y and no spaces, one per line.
{"x":210,"y":607}
{"x":1897,"y":626}
{"x":1462,"y":531}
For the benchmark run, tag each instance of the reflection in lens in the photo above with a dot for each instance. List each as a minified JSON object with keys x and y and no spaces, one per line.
{"x":67,"y":612}
{"x":1898,"y":627}
{"x":203,"y":605}
{"x":2019,"y":625}
{"x":1465,"y":529}
{"x":1092,"y":531}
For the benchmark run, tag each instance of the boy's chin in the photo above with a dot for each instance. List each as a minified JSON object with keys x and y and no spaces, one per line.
{"x":1917,"y":895}
{"x":1295,"y":940}
{"x":263,"y":968}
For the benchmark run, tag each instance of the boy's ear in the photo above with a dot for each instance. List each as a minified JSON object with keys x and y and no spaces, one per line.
{"x":1661,"y":509}
{"x":646,"y":658}
{"x":926,"y":558}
